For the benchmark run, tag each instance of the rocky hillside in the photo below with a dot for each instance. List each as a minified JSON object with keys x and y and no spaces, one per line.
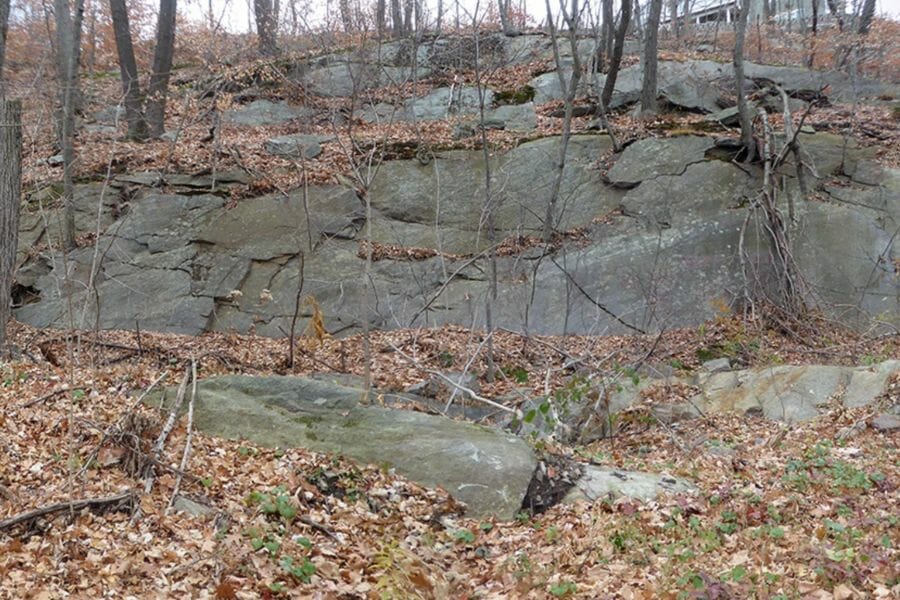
{"x":267,"y":369}
{"x":647,"y":238}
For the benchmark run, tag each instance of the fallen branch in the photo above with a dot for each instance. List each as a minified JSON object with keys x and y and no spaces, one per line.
{"x":190,"y":435}
{"x":317,"y":526}
{"x":456,"y":385}
{"x":156,"y":451}
{"x":92,"y":503}
{"x":44,"y":398}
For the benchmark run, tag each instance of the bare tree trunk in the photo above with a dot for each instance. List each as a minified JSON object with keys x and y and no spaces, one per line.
{"x":686,"y":20}
{"x":162,"y":68}
{"x":131,"y":86}
{"x":380,"y":10}
{"x":674,"y":29}
{"x":615,"y":59}
{"x":743,"y":107}
{"x":607,"y":32}
{"x":92,"y":42}
{"x":10,"y":189}
{"x":346,"y":15}
{"x":649,"y":89}
{"x":68,"y":36}
{"x":865,"y":19}
{"x":265,"y":27}
{"x":814,"y":32}
{"x":440,"y":16}
{"x":487,"y":210}
{"x":637,"y":25}
{"x":396,"y":18}
{"x":4,"y":24}
{"x":505,"y":21}
{"x":571,"y":90}
{"x":419,"y":17}
{"x":407,"y":16}
{"x":837,"y":11}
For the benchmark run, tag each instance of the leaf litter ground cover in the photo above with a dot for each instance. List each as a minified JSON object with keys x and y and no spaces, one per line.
{"x":805,"y":511}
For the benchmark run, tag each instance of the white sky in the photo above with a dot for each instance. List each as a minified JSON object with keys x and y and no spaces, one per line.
{"x":237,"y":12}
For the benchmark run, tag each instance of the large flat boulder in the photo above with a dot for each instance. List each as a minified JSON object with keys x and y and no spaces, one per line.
{"x":260,"y":113}
{"x":793,"y":393}
{"x":487,"y":469}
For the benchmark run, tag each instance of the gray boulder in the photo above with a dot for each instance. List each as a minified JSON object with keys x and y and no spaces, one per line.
{"x":488,"y":470}
{"x":297,"y":145}
{"x":260,"y":113}
{"x":445,"y":102}
{"x":605,"y":483}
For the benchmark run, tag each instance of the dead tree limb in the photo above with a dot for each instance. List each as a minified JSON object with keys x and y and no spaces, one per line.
{"x":119,"y":501}
{"x":185,"y":456}
{"x":454,"y":384}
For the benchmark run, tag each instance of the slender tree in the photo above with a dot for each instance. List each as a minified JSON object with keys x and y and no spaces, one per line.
{"x":615,"y":58}
{"x":607,"y":32}
{"x":649,"y":87}
{"x":158,"y":88}
{"x":68,"y":50}
{"x":743,"y":106}
{"x":866,"y":16}
{"x":397,"y":18}
{"x":674,"y":28}
{"x":140,"y":124}
{"x":346,"y":15}
{"x":810,"y":61}
{"x":4,"y":25}
{"x":505,"y":19}
{"x":264,"y":14}
{"x":380,"y":10}
{"x":686,"y":20}
{"x":10,"y":188}
{"x":570,"y":89}
{"x":131,"y":86}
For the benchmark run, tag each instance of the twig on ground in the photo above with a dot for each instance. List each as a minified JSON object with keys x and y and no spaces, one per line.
{"x":44,"y":398}
{"x":127,"y":497}
{"x":190,"y":435}
{"x":456,"y":385}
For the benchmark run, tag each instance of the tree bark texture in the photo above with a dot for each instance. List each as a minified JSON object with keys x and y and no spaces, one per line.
{"x":131,"y":86}
{"x":743,"y":107}
{"x":615,"y":59}
{"x":397,"y":18}
{"x":649,"y":90}
{"x":158,"y":88}
{"x":4,"y":25}
{"x":265,"y":27}
{"x":10,"y":189}
{"x":68,"y":37}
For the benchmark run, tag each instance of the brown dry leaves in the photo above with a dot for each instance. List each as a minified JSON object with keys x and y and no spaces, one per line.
{"x":750,"y":531}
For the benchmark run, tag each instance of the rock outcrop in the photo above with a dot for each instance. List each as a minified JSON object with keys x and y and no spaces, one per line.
{"x":656,"y":243}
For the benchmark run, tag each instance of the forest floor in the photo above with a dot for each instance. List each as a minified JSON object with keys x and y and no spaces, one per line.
{"x":806,"y":511}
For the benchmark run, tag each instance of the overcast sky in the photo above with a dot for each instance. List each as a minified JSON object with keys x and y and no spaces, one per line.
{"x":237,"y":12}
